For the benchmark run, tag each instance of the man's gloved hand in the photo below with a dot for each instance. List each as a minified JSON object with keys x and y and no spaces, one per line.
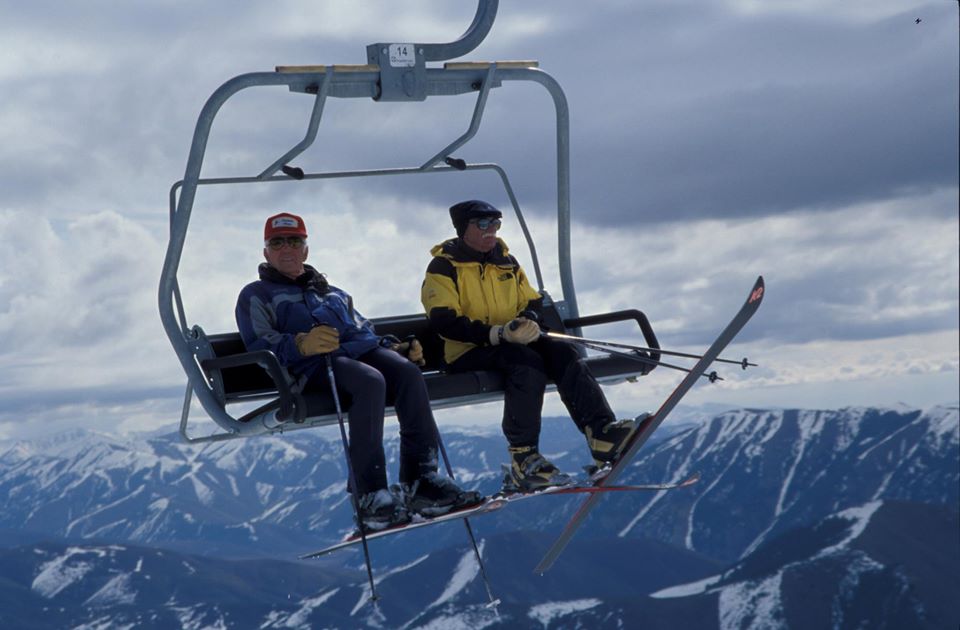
{"x":520,"y":330}
{"x":320,"y":340}
{"x":412,"y":349}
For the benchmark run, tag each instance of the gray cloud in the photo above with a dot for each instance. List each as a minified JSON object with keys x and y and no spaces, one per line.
{"x":678,"y":111}
{"x":758,"y":116}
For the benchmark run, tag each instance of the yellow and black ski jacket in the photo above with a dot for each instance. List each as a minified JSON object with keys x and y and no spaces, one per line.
{"x":466,"y":292}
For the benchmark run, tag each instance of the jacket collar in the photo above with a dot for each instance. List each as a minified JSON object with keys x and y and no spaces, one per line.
{"x":309,"y":279}
{"x":458,"y":251}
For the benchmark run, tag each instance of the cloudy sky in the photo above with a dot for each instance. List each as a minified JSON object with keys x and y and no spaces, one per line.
{"x":812,"y":142}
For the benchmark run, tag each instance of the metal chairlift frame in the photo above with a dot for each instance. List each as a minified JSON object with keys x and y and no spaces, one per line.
{"x":396,"y":72}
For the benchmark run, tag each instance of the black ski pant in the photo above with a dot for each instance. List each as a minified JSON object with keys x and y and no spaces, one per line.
{"x":525,"y":370}
{"x":366,"y":384}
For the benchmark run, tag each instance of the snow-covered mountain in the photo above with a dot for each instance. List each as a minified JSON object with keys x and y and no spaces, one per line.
{"x":256,"y":497}
{"x":883,"y":565}
{"x":846,"y":507}
{"x":879,"y":565}
{"x":766,"y":472}
{"x":222,"y":498}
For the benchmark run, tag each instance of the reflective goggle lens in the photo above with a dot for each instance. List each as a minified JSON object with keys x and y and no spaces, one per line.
{"x":485,"y":224}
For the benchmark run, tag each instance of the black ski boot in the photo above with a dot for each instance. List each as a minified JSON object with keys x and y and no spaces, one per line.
{"x":382,"y":509}
{"x":607,"y":443}
{"x":530,"y":471}
{"x":433,"y":494}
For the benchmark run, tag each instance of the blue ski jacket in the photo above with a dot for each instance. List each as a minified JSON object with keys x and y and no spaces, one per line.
{"x":271,"y":311}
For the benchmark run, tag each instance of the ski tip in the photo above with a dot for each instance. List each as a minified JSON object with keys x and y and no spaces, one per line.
{"x":756,"y":295}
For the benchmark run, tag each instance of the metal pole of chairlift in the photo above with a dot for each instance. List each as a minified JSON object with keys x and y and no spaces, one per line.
{"x":351,"y":476}
{"x":471,"y":38}
{"x":311,"y":133}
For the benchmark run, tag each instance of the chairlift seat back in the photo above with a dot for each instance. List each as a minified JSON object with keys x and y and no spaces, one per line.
{"x":250,"y":382}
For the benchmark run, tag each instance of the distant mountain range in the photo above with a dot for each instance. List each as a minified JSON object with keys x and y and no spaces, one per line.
{"x":844,"y":518}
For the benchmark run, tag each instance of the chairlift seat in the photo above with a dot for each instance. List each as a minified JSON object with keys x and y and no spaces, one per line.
{"x":249,"y":382}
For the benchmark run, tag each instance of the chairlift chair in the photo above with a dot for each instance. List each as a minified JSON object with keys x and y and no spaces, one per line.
{"x":222,"y":374}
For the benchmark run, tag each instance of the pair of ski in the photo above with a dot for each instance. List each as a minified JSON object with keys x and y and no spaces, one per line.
{"x":597,"y":487}
{"x":495,"y":502}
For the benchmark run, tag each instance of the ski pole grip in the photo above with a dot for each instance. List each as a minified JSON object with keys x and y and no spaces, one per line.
{"x":527,"y":314}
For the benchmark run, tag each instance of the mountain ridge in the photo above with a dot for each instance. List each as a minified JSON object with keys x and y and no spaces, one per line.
{"x":842,"y":506}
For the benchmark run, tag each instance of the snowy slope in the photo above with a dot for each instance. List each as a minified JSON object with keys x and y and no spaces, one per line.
{"x":850,"y":570}
{"x":844,"y":507}
{"x":858,"y":568}
{"x":771,"y":471}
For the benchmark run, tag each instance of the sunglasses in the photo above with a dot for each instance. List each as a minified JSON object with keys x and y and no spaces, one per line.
{"x":485,"y":224}
{"x":277,"y":242}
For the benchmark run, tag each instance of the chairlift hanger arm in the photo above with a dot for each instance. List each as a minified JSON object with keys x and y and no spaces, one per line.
{"x":474,"y":35}
{"x":403,"y":66}
{"x":471,"y":38}
{"x":364,"y":81}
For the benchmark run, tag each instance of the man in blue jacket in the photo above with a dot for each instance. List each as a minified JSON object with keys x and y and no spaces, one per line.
{"x":293,"y":312}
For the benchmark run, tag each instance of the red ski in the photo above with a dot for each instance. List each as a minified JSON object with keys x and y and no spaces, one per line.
{"x":639,"y":439}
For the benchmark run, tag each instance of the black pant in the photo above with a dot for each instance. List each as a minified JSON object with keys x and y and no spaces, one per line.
{"x":526,"y":370}
{"x":368,"y":381}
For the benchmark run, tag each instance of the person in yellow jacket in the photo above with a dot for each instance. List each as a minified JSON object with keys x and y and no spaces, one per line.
{"x":480,"y":302}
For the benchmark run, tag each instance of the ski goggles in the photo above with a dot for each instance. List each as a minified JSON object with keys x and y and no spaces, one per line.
{"x":487,"y":223}
{"x":294,"y":242}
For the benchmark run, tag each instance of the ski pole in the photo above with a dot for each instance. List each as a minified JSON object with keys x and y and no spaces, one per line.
{"x":351,"y":477}
{"x":743,"y":363}
{"x":466,"y":521}
{"x":713,"y":377}
{"x":635,"y":355}
{"x":473,"y":541}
